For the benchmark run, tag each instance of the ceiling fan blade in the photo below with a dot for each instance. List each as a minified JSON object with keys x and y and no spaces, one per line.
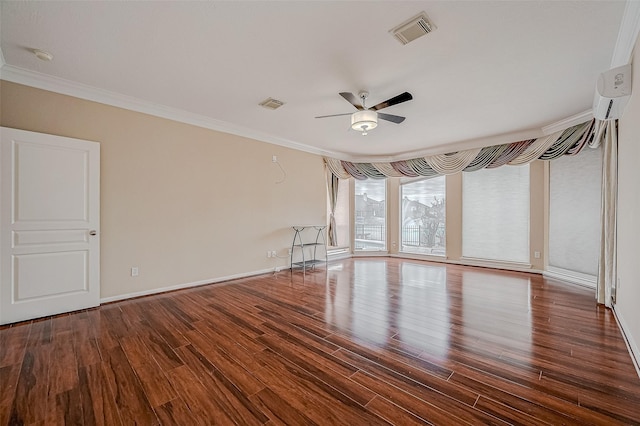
{"x":352,"y":99}
{"x":390,"y":117}
{"x":403,"y":97}
{"x":333,"y":115}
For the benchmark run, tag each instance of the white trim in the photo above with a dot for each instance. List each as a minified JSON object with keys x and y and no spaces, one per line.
{"x":420,"y":256}
{"x":483,"y":142}
{"x":627,"y":35}
{"x":339,"y":256}
{"x":584,"y":280}
{"x":628,"y":340}
{"x":185,"y":285}
{"x":90,"y":93}
{"x":499,"y":264}
{"x":450,"y":147}
{"x":371,"y":253}
{"x":83,"y":91}
{"x":568,"y":122}
{"x":2,"y":61}
{"x":465,"y":261}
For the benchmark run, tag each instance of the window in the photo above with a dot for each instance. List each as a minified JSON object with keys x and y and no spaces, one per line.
{"x":574,"y":212}
{"x":495,"y":214}
{"x":370,"y":215}
{"x":422,"y":207}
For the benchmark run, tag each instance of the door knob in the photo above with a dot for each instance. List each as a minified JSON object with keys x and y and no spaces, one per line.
{"x":93,"y":232}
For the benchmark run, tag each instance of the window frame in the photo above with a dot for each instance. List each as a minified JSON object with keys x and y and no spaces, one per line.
{"x":401,"y":249}
{"x":525,"y":260}
{"x":358,"y":213}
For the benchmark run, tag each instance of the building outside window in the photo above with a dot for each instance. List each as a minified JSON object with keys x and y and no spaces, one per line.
{"x":370,"y":215}
{"x":423,"y":208}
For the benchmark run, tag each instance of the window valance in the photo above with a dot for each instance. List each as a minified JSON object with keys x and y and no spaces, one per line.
{"x":565,"y":142}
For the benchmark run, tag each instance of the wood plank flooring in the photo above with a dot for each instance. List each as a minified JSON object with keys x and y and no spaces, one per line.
{"x":367,"y":341}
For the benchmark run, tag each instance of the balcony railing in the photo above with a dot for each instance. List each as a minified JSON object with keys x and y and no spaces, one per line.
{"x":414,"y":238}
{"x":370,"y":237}
{"x":371,"y":232}
{"x":419,"y":239}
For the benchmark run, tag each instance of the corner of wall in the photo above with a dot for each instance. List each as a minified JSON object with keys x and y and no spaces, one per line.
{"x":628,"y":286}
{"x":628,"y":340}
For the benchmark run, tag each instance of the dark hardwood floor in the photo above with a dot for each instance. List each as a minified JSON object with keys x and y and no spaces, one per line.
{"x":363,"y":342}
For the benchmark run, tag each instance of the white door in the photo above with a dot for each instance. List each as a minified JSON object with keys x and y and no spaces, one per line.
{"x":49,"y":225}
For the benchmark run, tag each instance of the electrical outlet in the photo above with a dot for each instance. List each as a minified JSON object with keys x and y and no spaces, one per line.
{"x":135,"y":271}
{"x":274,"y":159}
{"x":268,"y":253}
{"x":274,"y":254}
{"x":289,"y":252}
{"x":536,"y":254}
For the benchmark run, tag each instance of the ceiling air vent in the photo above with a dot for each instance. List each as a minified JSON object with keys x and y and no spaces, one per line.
{"x":271,"y":103}
{"x":413,"y":28}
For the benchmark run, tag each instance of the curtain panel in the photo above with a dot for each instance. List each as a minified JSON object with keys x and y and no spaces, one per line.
{"x":607,"y":266}
{"x":332,"y":187}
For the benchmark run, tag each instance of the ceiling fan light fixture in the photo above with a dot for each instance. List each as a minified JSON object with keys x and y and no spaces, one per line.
{"x":363,"y":121}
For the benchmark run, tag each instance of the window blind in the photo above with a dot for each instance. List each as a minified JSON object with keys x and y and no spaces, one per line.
{"x":495,"y":214}
{"x":574,"y":212}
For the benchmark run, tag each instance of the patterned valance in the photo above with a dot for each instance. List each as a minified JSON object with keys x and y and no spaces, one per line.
{"x":566,"y":142}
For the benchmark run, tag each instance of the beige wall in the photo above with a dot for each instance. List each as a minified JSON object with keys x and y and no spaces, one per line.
{"x":628,"y":293}
{"x":538,"y":212}
{"x":183,"y":203}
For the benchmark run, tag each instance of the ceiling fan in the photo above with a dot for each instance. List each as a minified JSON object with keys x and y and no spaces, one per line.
{"x":365,"y":118}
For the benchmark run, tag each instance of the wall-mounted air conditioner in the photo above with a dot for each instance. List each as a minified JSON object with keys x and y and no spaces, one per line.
{"x":613,"y":91}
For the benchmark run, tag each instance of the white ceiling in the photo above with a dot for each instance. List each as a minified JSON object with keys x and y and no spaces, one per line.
{"x":492,"y":71}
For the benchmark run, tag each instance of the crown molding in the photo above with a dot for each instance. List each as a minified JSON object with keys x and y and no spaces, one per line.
{"x":90,"y":93}
{"x":483,"y":142}
{"x":567,"y":122}
{"x":448,"y":147}
{"x":627,"y":35}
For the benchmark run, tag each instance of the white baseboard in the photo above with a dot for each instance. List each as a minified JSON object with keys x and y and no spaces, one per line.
{"x":186,"y":285}
{"x":419,"y":256}
{"x":339,"y":256}
{"x":631,"y":344}
{"x":365,"y":253}
{"x":582,"y":280}
{"x":507,"y":266}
